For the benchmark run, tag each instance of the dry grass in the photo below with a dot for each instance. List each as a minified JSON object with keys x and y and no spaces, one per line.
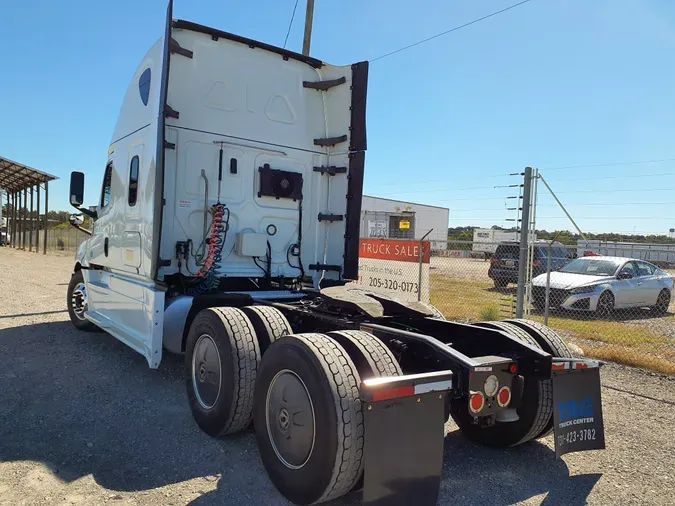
{"x":629,"y":356}
{"x":637,"y":345}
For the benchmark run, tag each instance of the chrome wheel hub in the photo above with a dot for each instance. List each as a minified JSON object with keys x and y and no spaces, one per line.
{"x":78,"y":300}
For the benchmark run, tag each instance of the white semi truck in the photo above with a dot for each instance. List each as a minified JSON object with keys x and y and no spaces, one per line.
{"x":226,"y":230}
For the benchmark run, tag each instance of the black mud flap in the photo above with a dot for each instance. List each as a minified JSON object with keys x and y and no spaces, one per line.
{"x":404,"y":419}
{"x":577,"y":406}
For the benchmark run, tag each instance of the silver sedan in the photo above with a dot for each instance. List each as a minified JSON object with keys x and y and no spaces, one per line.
{"x":602,"y":284}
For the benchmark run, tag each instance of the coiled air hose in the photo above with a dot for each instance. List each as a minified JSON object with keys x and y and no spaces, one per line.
{"x":207,"y":274}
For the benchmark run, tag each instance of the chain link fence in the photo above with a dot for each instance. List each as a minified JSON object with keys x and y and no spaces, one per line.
{"x":615,"y":308}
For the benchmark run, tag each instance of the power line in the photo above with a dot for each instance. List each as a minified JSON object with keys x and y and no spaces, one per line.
{"x":612,"y":204}
{"x":447,"y":190}
{"x":408,"y":183}
{"x":608,"y":217}
{"x":482,"y":209}
{"x":478,"y":20}
{"x":638,"y":190}
{"x":612,"y":177}
{"x":290,"y":24}
{"x":504,"y":175}
{"x":610,"y":164}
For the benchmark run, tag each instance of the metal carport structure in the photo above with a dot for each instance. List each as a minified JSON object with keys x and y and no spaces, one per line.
{"x":18,"y":181}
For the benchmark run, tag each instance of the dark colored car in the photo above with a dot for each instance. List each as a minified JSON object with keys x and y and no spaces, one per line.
{"x":504,"y":263}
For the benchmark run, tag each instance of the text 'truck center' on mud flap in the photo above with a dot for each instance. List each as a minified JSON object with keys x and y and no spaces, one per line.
{"x":577,"y":406}
{"x":404,"y":431}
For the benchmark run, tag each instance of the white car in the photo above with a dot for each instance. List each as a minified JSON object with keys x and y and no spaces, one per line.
{"x":603,"y":283}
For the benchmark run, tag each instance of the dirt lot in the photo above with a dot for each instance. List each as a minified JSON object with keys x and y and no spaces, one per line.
{"x":84,"y":421}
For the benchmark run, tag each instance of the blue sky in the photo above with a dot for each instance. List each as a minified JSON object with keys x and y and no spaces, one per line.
{"x":549,"y":84}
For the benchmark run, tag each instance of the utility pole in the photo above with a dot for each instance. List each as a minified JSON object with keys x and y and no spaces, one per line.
{"x":524,"y":233}
{"x":309,"y":19}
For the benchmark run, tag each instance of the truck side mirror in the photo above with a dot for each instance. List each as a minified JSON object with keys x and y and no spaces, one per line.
{"x":76,"y":189}
{"x":77,"y":194}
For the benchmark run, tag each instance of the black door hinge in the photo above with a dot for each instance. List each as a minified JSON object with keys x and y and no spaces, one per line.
{"x":324,"y":85}
{"x":330,"y":141}
{"x":330,"y":217}
{"x":331,"y":171}
{"x":169,"y":145}
{"x":325,"y":267}
{"x":169,"y":112}
{"x":175,"y":47}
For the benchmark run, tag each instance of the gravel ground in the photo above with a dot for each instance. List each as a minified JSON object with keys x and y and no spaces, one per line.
{"x":84,"y":421}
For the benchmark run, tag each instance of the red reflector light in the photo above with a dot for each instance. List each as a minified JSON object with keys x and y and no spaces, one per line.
{"x":504,"y":397}
{"x":476,"y":402}
{"x":394,"y":393}
{"x":580,"y":365}
{"x":513,"y":368}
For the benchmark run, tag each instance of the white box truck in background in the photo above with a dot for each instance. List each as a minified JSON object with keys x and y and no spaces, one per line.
{"x":227,"y":229}
{"x":486,"y":240}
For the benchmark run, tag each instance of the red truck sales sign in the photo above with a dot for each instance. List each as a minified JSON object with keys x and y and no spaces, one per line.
{"x":393,"y":267}
{"x":388,"y":249}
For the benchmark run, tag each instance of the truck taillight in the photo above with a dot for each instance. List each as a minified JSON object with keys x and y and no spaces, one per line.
{"x":504,"y":397}
{"x":476,"y":402}
{"x":493,"y":260}
{"x":537,"y":263}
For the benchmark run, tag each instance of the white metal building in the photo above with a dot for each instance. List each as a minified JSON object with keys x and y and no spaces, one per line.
{"x":396,"y":219}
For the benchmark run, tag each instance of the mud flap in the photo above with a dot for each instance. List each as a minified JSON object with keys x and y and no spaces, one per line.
{"x":577,"y":407}
{"x":403,"y":453}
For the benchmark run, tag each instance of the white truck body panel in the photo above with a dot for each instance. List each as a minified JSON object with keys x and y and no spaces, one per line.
{"x":252,"y":101}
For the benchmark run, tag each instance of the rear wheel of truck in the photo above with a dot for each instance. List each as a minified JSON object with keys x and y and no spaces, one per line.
{"x":269,"y":323}
{"x":308,"y":419}
{"x":547,"y":338}
{"x":77,"y":303}
{"x":550,"y":342}
{"x":221,"y":361}
{"x":370,"y":356}
{"x":534,"y":413}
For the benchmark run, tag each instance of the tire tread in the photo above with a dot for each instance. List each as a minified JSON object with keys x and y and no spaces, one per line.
{"x":545,"y":408}
{"x":269,"y":320}
{"x":246,"y":359}
{"x":381,"y":360}
{"x":344,"y":381}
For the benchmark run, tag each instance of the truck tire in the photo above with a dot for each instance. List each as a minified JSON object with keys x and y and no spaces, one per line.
{"x":221,"y":362}
{"x":535,"y":411}
{"x":547,"y":338}
{"x":269,"y":324}
{"x":319,"y":458}
{"x":370,"y":356}
{"x":77,"y":303}
{"x":551,"y":343}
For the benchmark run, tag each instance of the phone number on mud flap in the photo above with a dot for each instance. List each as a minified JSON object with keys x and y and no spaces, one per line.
{"x":392,"y":284}
{"x":576,"y":435}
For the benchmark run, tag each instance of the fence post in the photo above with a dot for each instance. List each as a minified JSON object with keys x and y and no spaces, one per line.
{"x":524,"y":233}
{"x":548,"y":284}
{"x":419,"y":267}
